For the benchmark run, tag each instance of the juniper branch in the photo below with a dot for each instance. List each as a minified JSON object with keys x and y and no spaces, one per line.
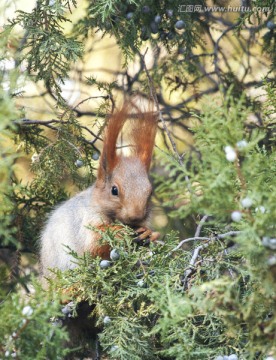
{"x":192,"y":262}
{"x":201,"y":223}
{"x":204,"y":238}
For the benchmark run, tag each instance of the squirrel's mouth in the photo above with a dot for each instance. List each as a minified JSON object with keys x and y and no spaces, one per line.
{"x":135,"y":223}
{"x":131,"y":222}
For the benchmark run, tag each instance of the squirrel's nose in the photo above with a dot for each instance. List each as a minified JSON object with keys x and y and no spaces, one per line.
{"x":135,"y":220}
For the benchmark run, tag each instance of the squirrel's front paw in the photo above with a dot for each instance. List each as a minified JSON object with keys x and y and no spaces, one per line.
{"x":145,"y":236}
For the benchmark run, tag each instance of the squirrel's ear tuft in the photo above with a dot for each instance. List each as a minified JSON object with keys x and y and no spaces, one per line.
{"x":143,"y":133}
{"x":109,"y":157}
{"x":143,"y":136}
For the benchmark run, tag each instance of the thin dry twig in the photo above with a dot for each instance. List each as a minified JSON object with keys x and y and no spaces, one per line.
{"x":48,"y":124}
{"x":185,"y":241}
{"x":192,"y":262}
{"x":201,"y":223}
{"x":197,"y":250}
{"x":204,"y":238}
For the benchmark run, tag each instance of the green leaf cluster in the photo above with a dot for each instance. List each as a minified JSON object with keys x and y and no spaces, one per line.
{"x":49,"y":51}
{"x":26,"y":331}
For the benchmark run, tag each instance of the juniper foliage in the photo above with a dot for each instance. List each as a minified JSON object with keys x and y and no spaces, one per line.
{"x":26,"y":330}
{"x":48,"y":48}
{"x":230,"y":291}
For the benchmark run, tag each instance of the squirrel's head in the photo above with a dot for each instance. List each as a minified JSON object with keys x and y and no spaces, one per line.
{"x":123,"y":187}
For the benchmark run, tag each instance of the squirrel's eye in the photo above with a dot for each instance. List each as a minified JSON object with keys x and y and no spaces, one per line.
{"x":114,"y":191}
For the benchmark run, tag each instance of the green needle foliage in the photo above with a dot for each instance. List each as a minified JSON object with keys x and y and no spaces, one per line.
{"x":121,"y":292}
{"x":7,"y":159}
{"x":26,"y":330}
{"x":233,"y":290}
{"x":49,"y":50}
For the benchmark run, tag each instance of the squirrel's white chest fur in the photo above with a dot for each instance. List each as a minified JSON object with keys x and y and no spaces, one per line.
{"x":67,"y":227}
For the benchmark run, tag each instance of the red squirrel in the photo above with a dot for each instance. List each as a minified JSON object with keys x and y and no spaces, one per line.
{"x":121,"y":192}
